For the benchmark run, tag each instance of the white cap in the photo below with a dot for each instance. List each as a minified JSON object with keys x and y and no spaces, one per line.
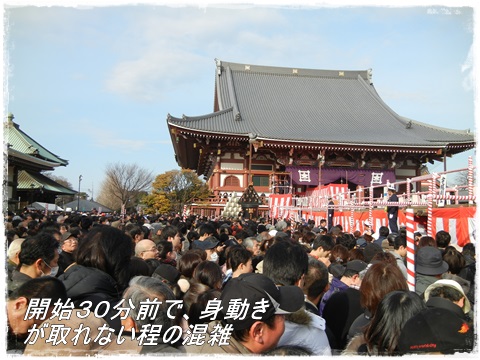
{"x":449,"y":283}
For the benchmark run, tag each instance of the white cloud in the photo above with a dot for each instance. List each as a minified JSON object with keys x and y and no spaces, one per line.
{"x":174,"y":46}
{"x":153,"y":74}
{"x":467,"y":69}
{"x":116,"y":140}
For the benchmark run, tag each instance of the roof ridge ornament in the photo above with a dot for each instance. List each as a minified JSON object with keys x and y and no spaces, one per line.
{"x":218,"y":63}
{"x":408,"y":125}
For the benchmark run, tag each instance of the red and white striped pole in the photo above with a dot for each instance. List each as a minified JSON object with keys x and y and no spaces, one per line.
{"x":409,"y":199}
{"x":352,"y":219}
{"x":184,"y":213}
{"x":470,"y":179}
{"x":431,"y":193}
{"x":370,"y":209}
{"x":410,"y":249}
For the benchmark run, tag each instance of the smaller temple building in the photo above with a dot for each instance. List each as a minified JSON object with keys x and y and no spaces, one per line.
{"x":27,"y":159}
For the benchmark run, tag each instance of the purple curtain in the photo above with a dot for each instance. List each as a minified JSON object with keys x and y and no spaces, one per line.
{"x":306,"y":175}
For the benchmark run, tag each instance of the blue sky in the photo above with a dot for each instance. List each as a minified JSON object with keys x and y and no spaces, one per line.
{"x":94,"y":84}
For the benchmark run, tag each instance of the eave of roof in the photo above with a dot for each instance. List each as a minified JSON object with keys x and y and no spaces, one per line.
{"x":32,"y":160}
{"x":21,"y":142}
{"x":26,"y":179}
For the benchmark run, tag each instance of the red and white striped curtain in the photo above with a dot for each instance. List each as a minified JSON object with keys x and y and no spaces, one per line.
{"x":277,"y":204}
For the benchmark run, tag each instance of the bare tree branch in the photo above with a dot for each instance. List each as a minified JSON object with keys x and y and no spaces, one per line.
{"x":125,"y":182}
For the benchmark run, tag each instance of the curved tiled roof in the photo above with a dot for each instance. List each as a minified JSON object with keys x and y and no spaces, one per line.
{"x":28,"y":180}
{"x":315,"y":106}
{"x":19,"y":141}
{"x":218,"y":122}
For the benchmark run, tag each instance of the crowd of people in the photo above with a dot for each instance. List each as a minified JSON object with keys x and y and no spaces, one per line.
{"x":88,"y":284}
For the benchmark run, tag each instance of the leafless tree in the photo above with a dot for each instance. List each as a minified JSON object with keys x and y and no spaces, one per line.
{"x":124,"y":184}
{"x":61,"y":199}
{"x":461,"y":178}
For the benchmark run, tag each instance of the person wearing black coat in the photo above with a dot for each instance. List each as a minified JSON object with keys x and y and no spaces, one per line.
{"x":101,"y":271}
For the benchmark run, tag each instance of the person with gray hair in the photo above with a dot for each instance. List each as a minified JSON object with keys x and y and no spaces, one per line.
{"x":251,"y":244}
{"x":281,"y":225}
{"x":12,"y":254}
{"x":140,"y":290}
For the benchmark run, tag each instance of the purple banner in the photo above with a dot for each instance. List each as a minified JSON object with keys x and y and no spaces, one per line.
{"x":307,"y":175}
{"x":357,"y":176}
{"x":304,"y":175}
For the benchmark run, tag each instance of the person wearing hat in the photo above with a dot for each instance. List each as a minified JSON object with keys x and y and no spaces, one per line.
{"x":429,"y":267}
{"x":392,"y":211}
{"x":348,"y":277}
{"x":209,"y":245}
{"x":157,"y":228}
{"x":436,"y":331}
{"x":67,"y":256}
{"x":370,"y":249}
{"x":261,"y":327}
{"x":449,"y":294}
{"x":341,"y":309}
{"x":170,"y":276}
{"x":368,"y":228}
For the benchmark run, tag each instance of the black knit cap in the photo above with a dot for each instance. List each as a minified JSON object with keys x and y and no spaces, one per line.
{"x":264,"y":299}
{"x":436,"y":330}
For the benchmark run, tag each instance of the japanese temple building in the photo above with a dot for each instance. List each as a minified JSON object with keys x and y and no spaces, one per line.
{"x":290,"y":130}
{"x":27,"y":159}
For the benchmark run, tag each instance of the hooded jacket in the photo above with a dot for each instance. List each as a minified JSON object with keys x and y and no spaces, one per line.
{"x":307,"y":330}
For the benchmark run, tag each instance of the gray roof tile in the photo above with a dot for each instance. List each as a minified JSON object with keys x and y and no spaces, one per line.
{"x":317,"y":106}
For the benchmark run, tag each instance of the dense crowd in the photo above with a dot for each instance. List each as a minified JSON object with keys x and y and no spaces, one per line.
{"x":88,"y":284}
